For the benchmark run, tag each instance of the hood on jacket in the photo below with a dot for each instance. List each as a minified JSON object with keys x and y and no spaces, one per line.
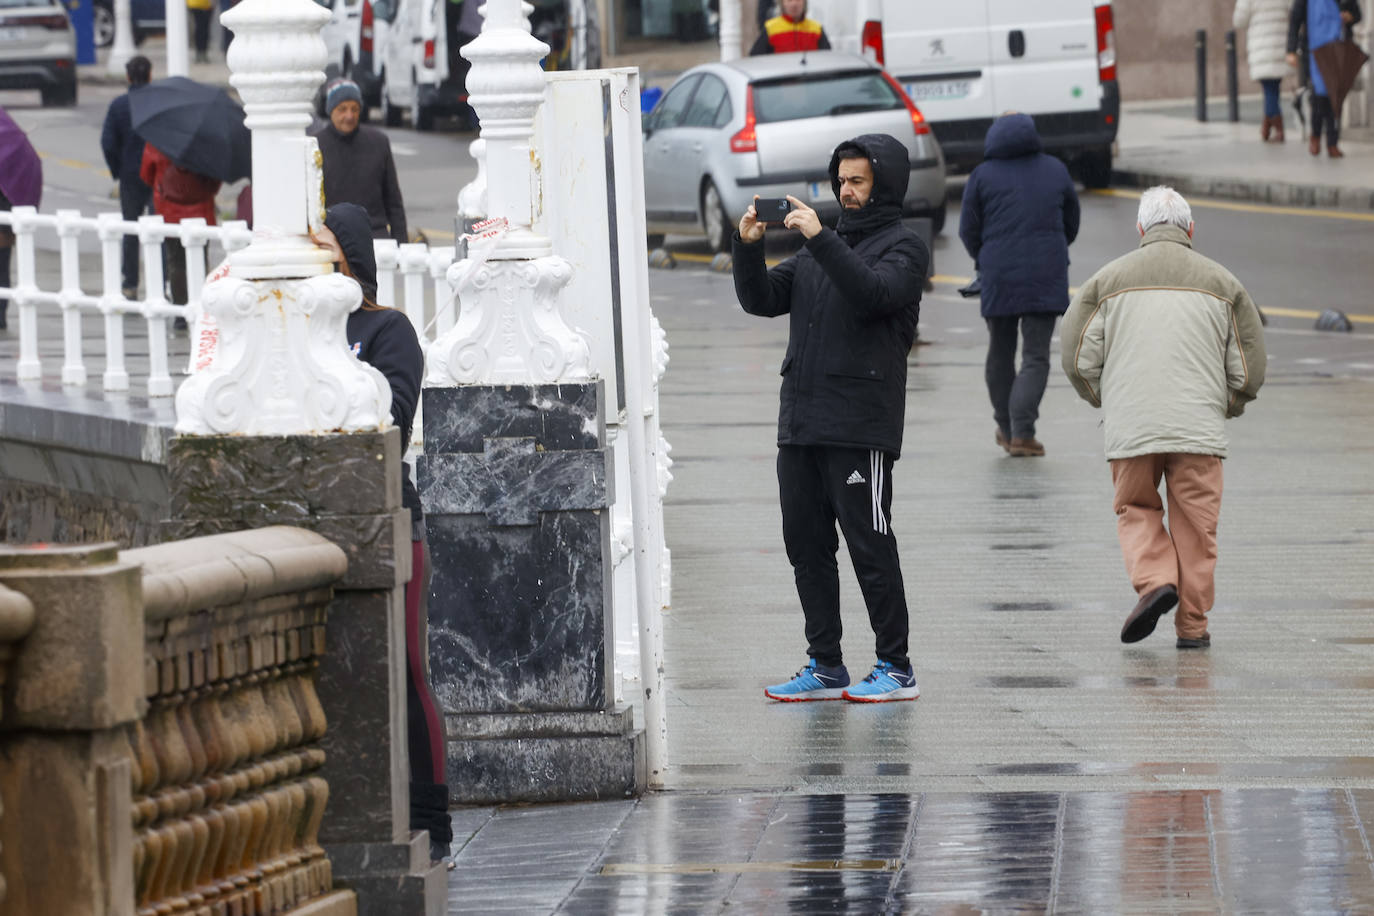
{"x":1010,"y":137}
{"x":891,"y":174}
{"x":353,"y":229}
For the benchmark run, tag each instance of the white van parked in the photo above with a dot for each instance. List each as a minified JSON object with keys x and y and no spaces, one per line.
{"x":409,"y":58}
{"x":966,"y":62}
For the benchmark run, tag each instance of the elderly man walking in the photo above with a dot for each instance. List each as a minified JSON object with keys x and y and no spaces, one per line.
{"x":358,"y":166}
{"x":1169,"y":344}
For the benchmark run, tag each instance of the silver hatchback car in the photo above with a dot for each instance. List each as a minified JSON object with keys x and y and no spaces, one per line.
{"x":767,"y":125}
{"x":38,"y":49}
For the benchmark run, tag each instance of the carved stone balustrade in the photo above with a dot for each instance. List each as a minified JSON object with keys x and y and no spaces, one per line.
{"x":163,"y":706}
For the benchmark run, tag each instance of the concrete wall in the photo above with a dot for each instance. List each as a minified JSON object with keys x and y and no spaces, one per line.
{"x":68,"y":476}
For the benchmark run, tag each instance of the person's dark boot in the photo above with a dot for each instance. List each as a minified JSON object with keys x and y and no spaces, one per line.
{"x":1152,"y":605}
{"x":1314,"y":145}
{"x":1265,"y":127}
{"x":1029,"y":447}
{"x":1335,"y":152}
{"x":1278,"y":128}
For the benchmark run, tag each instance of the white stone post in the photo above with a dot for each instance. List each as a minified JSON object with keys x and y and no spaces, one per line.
{"x":282,"y":366}
{"x":178,"y":51}
{"x":510,"y":329}
{"x":730,"y":30}
{"x":122,"y":48}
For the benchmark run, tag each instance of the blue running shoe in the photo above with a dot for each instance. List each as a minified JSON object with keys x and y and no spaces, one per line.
{"x":885,"y":684}
{"x":814,"y":682}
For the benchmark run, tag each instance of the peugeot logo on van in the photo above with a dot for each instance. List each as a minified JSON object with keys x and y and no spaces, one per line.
{"x":937,"y":47}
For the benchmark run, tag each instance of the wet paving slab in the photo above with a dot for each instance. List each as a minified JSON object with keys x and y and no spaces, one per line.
{"x":1217,"y":851}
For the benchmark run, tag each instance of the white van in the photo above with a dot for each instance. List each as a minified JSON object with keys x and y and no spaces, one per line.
{"x":408,"y":57}
{"x":966,"y":62}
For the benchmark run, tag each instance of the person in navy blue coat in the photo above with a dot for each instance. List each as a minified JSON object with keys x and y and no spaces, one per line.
{"x":123,"y":151}
{"x":1020,"y":214}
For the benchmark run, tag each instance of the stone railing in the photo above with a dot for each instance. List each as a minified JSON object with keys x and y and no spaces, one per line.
{"x":163,"y":707}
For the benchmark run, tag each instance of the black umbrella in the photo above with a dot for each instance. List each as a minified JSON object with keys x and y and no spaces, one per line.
{"x":196,"y":126}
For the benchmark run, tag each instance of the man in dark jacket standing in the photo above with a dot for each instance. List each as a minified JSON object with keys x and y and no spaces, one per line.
{"x":358,"y":168}
{"x":853,"y":296}
{"x":1019,"y":217}
{"x":123,"y":151}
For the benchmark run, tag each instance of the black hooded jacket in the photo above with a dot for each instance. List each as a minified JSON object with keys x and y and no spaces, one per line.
{"x":381,"y":337}
{"x":853,"y":294}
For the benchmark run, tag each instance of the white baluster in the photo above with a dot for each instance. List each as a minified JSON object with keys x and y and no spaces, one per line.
{"x":414,"y":258}
{"x":111,"y":233}
{"x":26,"y":276}
{"x":445,"y":304}
{"x":69,"y":240}
{"x":388,"y":261}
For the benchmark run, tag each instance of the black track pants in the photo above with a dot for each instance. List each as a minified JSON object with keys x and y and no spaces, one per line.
{"x":822,"y":485}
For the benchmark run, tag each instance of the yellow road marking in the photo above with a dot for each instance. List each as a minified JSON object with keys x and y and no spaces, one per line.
{"x":1311,"y":313}
{"x":1251,"y":208}
{"x":741,"y":868}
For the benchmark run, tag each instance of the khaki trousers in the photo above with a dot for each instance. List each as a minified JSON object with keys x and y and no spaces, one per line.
{"x":1184,"y":554}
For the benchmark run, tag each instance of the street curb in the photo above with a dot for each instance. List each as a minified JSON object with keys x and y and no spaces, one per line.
{"x":1259,"y":191}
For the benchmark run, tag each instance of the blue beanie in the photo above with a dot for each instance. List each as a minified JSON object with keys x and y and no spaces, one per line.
{"x":342,"y":91}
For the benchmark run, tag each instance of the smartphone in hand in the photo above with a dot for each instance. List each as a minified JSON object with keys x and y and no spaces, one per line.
{"x":771,"y":210}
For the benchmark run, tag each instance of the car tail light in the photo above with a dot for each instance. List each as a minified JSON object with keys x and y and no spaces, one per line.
{"x":918,"y":120}
{"x":1106,"y":44}
{"x":872,"y":42}
{"x":746,"y":140}
{"x":365,"y":39}
{"x":429,"y":53}
{"x":54,"y":21}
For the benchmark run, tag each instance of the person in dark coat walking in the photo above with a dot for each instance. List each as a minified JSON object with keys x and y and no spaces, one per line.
{"x":1020,"y":214}
{"x":358,"y":167}
{"x":853,"y":297}
{"x":385,"y":338}
{"x":123,"y":151}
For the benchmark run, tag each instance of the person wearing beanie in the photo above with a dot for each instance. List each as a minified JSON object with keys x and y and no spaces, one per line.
{"x":385,"y":339}
{"x":358,"y":166}
{"x":790,"y":31}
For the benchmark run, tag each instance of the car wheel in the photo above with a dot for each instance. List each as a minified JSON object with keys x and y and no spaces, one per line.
{"x":713,"y":218}
{"x":937,"y":220}
{"x":60,"y":96}
{"x":103,"y":24}
{"x":391,"y":115}
{"x":1095,"y":166}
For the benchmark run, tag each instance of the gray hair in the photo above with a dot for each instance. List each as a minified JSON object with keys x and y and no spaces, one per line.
{"x":1162,"y":204}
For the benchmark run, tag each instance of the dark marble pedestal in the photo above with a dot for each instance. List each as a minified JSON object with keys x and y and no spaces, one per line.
{"x":347,"y":488}
{"x":514,"y":483}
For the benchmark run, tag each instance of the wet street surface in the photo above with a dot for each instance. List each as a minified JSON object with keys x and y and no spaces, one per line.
{"x":1046,"y":766}
{"x":1233,"y":851}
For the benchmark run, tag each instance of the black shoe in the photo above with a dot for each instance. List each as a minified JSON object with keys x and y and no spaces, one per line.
{"x":1202,"y":642}
{"x":178,"y":324}
{"x":4,"y":325}
{"x":439,"y":852}
{"x":1152,"y":605}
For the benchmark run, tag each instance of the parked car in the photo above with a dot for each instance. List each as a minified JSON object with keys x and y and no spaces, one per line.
{"x":38,"y":49}
{"x":767,"y":125}
{"x":148,"y":17}
{"x":965,"y":63}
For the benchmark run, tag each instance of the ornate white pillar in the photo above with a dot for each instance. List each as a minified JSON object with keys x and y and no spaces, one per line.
{"x":510,"y":329}
{"x":281,"y":365}
{"x":122,"y":48}
{"x":730,"y":30}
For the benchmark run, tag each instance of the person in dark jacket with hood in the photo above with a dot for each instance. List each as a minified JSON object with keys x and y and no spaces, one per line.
{"x":358,"y":166}
{"x":853,"y":296}
{"x":1020,"y":215}
{"x":385,"y":338}
{"x":123,"y":151}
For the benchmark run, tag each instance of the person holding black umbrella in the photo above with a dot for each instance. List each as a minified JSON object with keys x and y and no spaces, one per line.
{"x":1313,"y":25}
{"x":123,"y":151}
{"x":178,"y":194}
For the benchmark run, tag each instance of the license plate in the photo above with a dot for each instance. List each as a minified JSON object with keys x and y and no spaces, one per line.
{"x":820,"y":191}
{"x":13,"y":34}
{"x":938,"y":90}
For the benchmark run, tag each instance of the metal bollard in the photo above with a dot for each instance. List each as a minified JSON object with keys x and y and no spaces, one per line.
{"x":1200,"y":51}
{"x":1232,"y":81}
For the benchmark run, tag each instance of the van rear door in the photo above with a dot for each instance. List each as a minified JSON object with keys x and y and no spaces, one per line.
{"x":1044,"y":56}
{"x":943,"y":67}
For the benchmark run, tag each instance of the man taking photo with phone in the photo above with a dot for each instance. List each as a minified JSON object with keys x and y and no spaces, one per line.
{"x":853,"y":296}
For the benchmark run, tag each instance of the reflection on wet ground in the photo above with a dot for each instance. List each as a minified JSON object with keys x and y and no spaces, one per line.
{"x":1237,"y":850}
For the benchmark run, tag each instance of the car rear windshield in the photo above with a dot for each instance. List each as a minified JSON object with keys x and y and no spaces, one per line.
{"x":821,"y":96}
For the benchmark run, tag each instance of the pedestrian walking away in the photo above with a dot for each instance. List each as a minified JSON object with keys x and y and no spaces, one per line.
{"x":358,"y":166}
{"x":1313,"y":24}
{"x":1020,"y":214}
{"x":201,"y":11}
{"x":1169,"y":344}
{"x":178,"y":194}
{"x":385,"y":339}
{"x":789,"y":31}
{"x":123,"y":150}
{"x":1266,"y":33}
{"x":852,"y":296}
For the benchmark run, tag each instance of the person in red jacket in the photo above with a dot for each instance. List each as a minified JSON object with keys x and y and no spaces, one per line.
{"x":791,"y":31}
{"x":178,"y":194}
